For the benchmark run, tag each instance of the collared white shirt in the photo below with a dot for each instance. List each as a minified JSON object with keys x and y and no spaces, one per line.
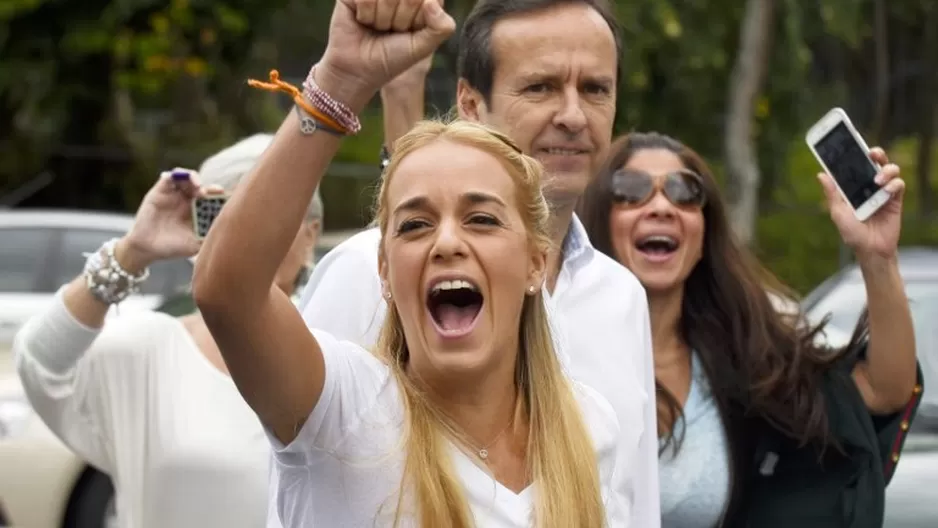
{"x":598,"y":312}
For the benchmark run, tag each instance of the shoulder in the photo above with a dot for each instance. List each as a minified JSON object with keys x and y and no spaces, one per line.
{"x":347,"y":358}
{"x":149,"y":327}
{"x":356,"y":256}
{"x":611,"y":273}
{"x":364,"y":243}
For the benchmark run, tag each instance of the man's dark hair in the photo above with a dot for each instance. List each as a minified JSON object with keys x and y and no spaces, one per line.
{"x":476,"y":62}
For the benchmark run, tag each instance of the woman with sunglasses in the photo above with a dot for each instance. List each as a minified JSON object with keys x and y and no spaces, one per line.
{"x":749,"y":404}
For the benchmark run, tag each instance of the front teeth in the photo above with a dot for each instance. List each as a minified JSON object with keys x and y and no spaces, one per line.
{"x":660,"y":238}
{"x":562,"y":152}
{"x":453,"y":285}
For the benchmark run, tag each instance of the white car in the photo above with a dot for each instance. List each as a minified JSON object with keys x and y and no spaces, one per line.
{"x":41,"y":250}
{"x":910,"y":496}
{"x":42,"y":483}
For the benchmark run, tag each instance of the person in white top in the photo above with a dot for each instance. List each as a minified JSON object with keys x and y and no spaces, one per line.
{"x":543,"y":72}
{"x":146,"y":397}
{"x":462,"y":415}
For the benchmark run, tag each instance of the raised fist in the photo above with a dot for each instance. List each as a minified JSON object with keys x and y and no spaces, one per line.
{"x":372,"y":41}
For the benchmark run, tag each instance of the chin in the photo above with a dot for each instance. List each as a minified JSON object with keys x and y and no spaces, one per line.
{"x":657,"y":280}
{"x":465,"y":363}
{"x":659,"y":287}
{"x":564,"y":187}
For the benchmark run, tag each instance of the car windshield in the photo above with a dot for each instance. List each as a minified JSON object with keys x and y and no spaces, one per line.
{"x":845,"y":303}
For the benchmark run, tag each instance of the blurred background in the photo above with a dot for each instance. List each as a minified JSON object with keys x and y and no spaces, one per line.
{"x":97,"y":97}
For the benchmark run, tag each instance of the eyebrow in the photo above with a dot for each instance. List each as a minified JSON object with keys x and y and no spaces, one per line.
{"x":422,"y":203}
{"x":540,"y":75}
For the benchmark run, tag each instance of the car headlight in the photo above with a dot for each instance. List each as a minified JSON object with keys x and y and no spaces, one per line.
{"x":14,"y":415}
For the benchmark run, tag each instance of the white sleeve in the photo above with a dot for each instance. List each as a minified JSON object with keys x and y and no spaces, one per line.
{"x":354,"y":379}
{"x":84,"y":384}
{"x":646,"y":512}
{"x":343,"y":296}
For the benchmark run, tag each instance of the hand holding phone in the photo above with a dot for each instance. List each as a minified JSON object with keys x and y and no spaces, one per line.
{"x":205,"y":210}
{"x":863,"y":189}
{"x":844,"y":155}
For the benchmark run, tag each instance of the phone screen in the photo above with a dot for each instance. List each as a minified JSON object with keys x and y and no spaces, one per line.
{"x":205,"y":211}
{"x":848,"y":164}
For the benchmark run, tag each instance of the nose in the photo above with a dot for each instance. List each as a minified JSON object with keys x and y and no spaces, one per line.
{"x":570,"y":117}
{"x":659,"y":206}
{"x":449,"y":243}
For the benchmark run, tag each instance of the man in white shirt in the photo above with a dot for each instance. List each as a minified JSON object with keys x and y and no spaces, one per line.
{"x":544,"y":72}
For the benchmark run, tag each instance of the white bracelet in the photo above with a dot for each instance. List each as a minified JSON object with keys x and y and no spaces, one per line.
{"x":106,"y":279}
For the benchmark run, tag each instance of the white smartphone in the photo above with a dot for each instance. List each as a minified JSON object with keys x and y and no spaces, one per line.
{"x":843,"y":153}
{"x":205,"y":211}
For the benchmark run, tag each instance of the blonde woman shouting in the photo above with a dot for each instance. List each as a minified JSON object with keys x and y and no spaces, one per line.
{"x":462,"y":416}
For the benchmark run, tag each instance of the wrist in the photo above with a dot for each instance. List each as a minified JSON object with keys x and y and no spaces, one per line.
{"x":345,"y":89}
{"x":874,"y":266}
{"x":405,"y":86}
{"x":130,"y":257}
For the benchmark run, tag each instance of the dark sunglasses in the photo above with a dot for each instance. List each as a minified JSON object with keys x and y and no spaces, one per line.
{"x":634,"y":188}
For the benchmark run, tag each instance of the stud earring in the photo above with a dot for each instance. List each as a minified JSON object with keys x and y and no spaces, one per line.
{"x":531,"y":290}
{"x":387,"y":295}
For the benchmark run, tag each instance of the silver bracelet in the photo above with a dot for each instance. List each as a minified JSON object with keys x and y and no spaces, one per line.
{"x":106,"y":279}
{"x":309,"y":124}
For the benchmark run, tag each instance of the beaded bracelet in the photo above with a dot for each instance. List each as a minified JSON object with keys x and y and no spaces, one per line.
{"x":107,"y":280}
{"x":341,"y":113}
{"x":323,"y":120}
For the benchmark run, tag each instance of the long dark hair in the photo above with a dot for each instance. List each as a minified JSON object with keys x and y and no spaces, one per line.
{"x":754,"y":357}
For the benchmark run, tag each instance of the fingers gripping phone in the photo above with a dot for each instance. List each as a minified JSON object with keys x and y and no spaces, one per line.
{"x":844,"y":155}
{"x":204,"y":212}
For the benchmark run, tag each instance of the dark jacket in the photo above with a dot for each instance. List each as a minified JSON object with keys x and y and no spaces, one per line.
{"x":778,"y":484}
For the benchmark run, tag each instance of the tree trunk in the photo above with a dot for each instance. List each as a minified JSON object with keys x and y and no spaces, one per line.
{"x":745,"y":85}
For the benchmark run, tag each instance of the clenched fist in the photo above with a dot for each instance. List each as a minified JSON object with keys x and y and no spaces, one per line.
{"x":372,"y":41}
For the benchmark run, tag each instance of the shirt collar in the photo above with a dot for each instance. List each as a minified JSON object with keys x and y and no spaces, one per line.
{"x":577,"y":249}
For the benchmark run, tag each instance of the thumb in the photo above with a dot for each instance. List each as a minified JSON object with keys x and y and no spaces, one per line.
{"x":439,"y":26}
{"x":830,"y":191}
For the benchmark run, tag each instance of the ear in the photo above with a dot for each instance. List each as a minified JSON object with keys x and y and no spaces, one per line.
{"x":537,"y":271}
{"x":383,"y":274}
{"x":469,"y":102}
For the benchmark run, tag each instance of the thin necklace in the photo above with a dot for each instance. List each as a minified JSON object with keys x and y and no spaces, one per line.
{"x":484,"y":452}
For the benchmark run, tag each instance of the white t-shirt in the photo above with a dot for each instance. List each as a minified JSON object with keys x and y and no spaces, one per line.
{"x":145,"y":406}
{"x":344,"y":468}
{"x":598,"y":313}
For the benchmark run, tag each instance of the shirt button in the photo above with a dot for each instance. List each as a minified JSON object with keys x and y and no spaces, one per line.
{"x":904,"y":425}
{"x":895,"y":458}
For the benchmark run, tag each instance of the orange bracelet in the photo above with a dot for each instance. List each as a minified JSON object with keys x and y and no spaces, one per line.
{"x":276,"y":85}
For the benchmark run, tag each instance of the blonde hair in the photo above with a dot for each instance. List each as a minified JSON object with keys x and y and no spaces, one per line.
{"x":560,"y":454}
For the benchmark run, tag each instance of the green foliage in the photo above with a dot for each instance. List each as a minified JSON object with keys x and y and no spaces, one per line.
{"x":796,"y":238}
{"x":162,"y":84}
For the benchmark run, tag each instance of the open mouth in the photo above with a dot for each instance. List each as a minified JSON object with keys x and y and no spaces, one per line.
{"x":657,"y":245}
{"x":454,"y":306}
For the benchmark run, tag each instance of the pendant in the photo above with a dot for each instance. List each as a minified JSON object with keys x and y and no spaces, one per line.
{"x":483,"y":454}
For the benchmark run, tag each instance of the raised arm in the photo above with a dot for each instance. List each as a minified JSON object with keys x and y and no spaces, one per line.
{"x":80,"y":380}
{"x":271,"y":355}
{"x":402,"y":101}
{"x":886,"y":377}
